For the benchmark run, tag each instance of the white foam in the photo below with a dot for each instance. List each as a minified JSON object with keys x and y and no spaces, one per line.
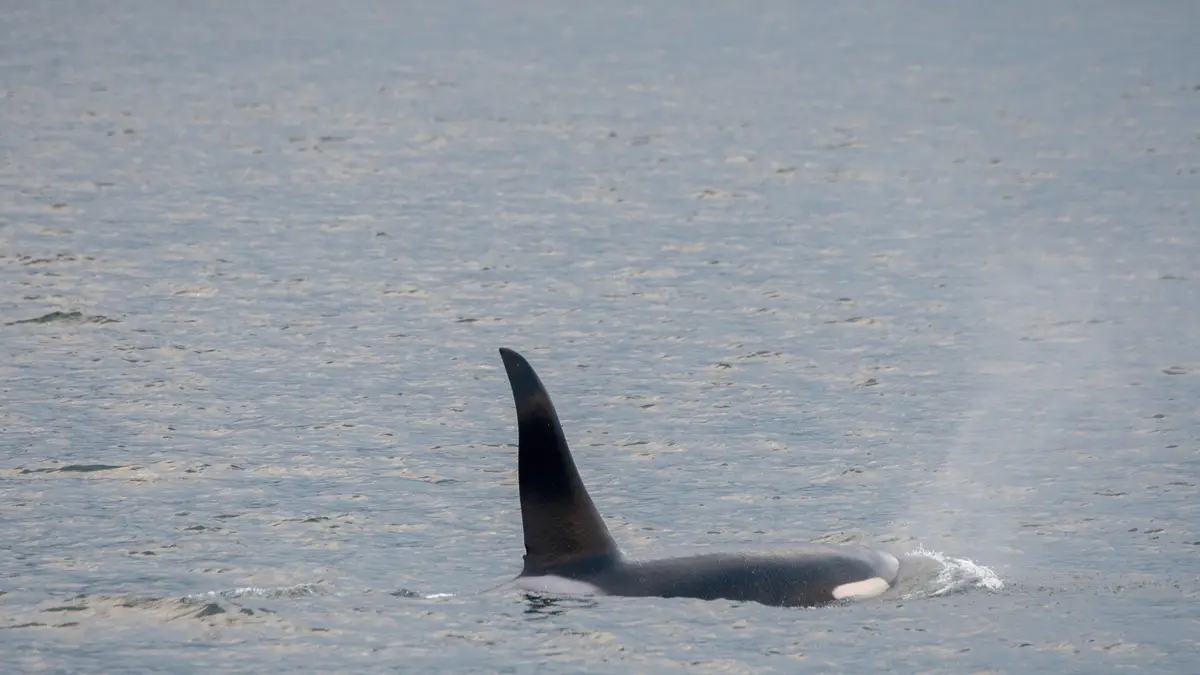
{"x":954,"y":575}
{"x":893,"y":565}
{"x":297,"y":591}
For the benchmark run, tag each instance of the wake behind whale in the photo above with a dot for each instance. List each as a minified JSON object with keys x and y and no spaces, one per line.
{"x":569,"y":550}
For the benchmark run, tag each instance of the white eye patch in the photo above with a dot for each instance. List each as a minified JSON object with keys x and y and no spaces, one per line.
{"x":866,"y":588}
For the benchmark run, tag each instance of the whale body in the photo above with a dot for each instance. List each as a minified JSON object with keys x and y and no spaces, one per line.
{"x":568,"y":549}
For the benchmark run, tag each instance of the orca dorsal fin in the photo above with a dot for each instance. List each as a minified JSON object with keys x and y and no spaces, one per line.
{"x":561,"y":524}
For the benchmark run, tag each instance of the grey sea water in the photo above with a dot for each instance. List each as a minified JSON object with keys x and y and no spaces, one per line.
{"x":919,"y":275}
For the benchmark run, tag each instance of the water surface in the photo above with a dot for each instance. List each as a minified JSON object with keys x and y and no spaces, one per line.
{"x":913,"y":276}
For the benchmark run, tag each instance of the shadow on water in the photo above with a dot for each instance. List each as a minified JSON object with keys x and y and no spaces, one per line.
{"x":545,"y":606}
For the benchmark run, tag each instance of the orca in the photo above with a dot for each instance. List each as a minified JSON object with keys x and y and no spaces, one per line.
{"x":569,"y":551}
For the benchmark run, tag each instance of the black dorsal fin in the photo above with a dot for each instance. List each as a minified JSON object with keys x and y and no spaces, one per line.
{"x":561,"y":524}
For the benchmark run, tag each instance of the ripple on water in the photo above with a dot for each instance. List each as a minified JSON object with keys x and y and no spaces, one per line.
{"x":930,"y":574}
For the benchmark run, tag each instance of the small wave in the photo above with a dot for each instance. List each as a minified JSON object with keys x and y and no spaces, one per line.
{"x":297,"y":591}
{"x":405,"y":593}
{"x":953,"y":575}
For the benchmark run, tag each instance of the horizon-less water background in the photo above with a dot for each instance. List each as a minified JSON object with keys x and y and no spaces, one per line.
{"x":908,"y":274}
